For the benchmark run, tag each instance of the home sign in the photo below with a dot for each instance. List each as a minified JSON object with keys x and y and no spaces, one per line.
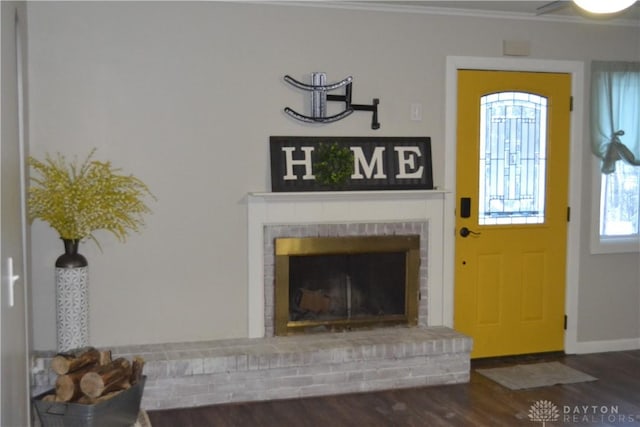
{"x":351,"y":163}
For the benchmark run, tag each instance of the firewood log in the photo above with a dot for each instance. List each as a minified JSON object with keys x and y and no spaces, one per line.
{"x":64,"y":363}
{"x":105,"y":358}
{"x":314,"y":301}
{"x":136,"y":369}
{"x":108,"y":396}
{"x":68,"y":385}
{"x":106,"y":378}
{"x":108,"y":391}
{"x":115,"y":386}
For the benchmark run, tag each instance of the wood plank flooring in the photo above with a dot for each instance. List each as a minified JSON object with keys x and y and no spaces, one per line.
{"x":612,"y":400}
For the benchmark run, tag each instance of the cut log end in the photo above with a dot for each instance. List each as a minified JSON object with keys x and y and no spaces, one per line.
{"x":114,"y":376}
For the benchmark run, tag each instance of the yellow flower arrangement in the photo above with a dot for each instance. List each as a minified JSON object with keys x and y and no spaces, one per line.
{"x":76,"y":200}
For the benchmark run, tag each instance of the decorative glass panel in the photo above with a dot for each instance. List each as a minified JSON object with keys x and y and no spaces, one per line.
{"x":513,"y":151}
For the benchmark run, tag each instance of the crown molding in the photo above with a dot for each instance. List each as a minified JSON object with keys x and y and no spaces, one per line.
{"x":421,"y":8}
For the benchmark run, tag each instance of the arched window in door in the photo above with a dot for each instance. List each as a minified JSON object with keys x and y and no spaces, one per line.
{"x":513,"y":156}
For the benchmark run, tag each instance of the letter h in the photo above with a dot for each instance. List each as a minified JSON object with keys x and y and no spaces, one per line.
{"x":305,"y":161}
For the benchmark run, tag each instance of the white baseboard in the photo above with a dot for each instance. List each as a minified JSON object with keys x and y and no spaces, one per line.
{"x":603,"y":346}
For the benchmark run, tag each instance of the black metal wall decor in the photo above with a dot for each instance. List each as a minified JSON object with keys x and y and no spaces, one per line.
{"x":379,"y":163}
{"x":319,"y":96}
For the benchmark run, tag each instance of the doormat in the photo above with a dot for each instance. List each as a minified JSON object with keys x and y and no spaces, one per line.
{"x":534,"y":375}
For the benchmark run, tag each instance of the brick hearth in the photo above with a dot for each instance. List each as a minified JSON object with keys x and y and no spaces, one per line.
{"x":254,"y":369}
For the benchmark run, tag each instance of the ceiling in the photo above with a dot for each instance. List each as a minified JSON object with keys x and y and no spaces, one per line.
{"x":562,"y":9}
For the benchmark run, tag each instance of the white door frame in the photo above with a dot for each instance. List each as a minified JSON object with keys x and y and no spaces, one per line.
{"x":15,"y":407}
{"x":576,"y":69}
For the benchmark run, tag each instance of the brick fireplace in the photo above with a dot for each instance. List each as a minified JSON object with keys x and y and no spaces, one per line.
{"x":366,"y":213}
{"x":263,"y":366}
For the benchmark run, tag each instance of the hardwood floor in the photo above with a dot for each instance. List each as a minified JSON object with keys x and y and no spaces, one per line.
{"x":612,"y":400}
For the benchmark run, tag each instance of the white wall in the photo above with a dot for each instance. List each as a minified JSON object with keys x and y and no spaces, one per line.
{"x":186,"y":95}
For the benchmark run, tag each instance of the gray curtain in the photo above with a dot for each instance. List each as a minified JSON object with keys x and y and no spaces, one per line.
{"x":615,"y":113}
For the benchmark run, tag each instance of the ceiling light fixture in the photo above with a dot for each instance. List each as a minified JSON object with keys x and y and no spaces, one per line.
{"x":604,"y":7}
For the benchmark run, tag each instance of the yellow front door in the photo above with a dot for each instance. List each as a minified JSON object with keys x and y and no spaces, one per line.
{"x":511,"y":213}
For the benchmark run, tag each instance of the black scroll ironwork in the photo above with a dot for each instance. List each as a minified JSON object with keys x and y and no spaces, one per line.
{"x":319,"y":97}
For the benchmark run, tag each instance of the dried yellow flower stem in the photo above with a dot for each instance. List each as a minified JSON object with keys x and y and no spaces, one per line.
{"x":77,"y":200}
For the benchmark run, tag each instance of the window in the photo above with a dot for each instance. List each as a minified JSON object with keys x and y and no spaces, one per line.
{"x":512,"y":158}
{"x":619,"y":201}
{"x":615,"y":133}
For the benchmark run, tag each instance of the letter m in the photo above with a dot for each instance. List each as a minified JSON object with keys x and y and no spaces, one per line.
{"x":360,"y":163}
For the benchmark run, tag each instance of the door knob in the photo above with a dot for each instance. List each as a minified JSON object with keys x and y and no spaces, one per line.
{"x":13,"y":278}
{"x":464,"y":232}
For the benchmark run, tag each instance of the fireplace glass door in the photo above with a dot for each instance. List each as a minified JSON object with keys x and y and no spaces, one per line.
{"x":337,"y":283}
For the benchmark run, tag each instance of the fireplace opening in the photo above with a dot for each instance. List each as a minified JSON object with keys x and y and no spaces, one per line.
{"x":338,"y":283}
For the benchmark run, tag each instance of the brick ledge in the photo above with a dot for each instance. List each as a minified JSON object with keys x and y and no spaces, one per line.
{"x":249,"y":369}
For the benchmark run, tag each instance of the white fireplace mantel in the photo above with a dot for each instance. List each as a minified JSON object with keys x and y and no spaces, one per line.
{"x":352,"y":207}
